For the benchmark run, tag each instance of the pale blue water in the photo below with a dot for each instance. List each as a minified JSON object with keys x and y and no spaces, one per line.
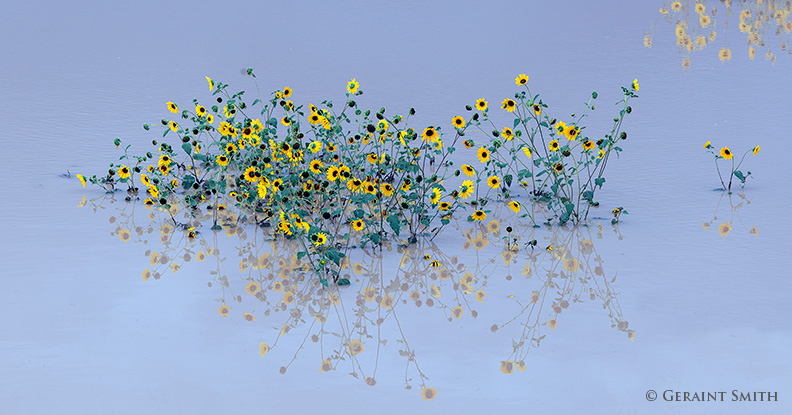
{"x":82,"y":332}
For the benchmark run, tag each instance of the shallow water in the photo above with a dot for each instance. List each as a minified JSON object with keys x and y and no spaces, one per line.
{"x":706,"y":306}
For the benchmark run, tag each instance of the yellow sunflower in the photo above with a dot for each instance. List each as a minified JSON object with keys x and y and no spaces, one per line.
{"x":481,"y":105}
{"x":507,"y":133}
{"x":458,"y":122}
{"x":493,"y":182}
{"x":509,"y":105}
{"x":521,"y":79}
{"x":352,"y":86}
{"x":726,"y":153}
{"x":483,"y":154}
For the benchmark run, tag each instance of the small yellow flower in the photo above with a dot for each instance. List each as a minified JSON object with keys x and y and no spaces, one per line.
{"x":707,"y":144}
{"x":458,"y":122}
{"x":724,"y":228}
{"x":481,"y":105}
{"x":479,"y":215}
{"x":552,"y":323}
{"x":428,"y":394}
{"x":223,"y":310}
{"x":173,"y":108}
{"x":725,"y":54}
{"x":514,"y":206}
{"x":483,"y":154}
{"x":521,"y":79}
{"x":755,"y":150}
{"x":509,"y":105}
{"x":494,"y":182}
{"x":635,"y":85}
{"x":211,"y":83}
{"x":507,"y":134}
{"x":263,"y":349}
{"x":82,"y":178}
{"x":352,"y":86}
{"x":726,"y":153}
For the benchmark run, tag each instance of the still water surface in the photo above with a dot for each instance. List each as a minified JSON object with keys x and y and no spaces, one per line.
{"x":688,"y":293}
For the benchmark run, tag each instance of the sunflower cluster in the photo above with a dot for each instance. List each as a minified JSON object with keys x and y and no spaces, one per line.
{"x":552,"y":159}
{"x":725,"y":153}
{"x":336,"y":177}
{"x":695,"y":26}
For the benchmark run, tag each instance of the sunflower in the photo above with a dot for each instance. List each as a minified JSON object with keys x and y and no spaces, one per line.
{"x":223,"y":310}
{"x":527,"y":151}
{"x":372,"y":158}
{"x":321,"y":238}
{"x":285,"y":121}
{"x":357,"y":224}
{"x":173,"y":125}
{"x":256,"y":125}
{"x":355,"y":347}
{"x":537,"y":109}
{"x":435,"y":197}
{"x":386,"y":189}
{"x":469,"y":171}
{"x":405,"y":186}
{"x":428,"y":394}
{"x":458,"y":122}
{"x":123,"y":172}
{"x":726,"y":153}
{"x":145,"y":179}
{"x":149,"y":202}
{"x":507,"y":133}
{"x":514,"y":206}
{"x":210,"y":118}
{"x":429,"y":134}
{"x":164,"y":169}
{"x":383,"y":125}
{"x":571,"y":132}
{"x":200,"y":110}
{"x":469,"y":144}
{"x":222,"y":160}
{"x":521,"y":79}
{"x":331,"y":147}
{"x":444,"y":206}
{"x":552,"y":323}
{"x":601,"y":154}
{"x":479,"y":215}
{"x":553,"y":146}
{"x":483,"y":154}
{"x":250,"y":174}
{"x":252,"y":288}
{"x":230,"y":148}
{"x":558,"y":167}
{"x":352,"y":86}
{"x":466,"y":188}
{"x":249,"y":317}
{"x":493,"y":182}
{"x":82,"y":179}
{"x":725,"y":54}
{"x":509,"y":105}
{"x":173,"y":108}
{"x":588,"y":145}
{"x":287,"y":92}
{"x":316,"y":166}
{"x":315,"y":146}
{"x":635,"y":85}
{"x":481,"y":105}
{"x":700,"y":8}
{"x":676,"y":6}
{"x":755,"y":150}
{"x":315,"y":118}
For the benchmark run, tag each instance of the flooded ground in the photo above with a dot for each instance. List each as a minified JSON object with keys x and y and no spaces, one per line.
{"x":108,"y":308}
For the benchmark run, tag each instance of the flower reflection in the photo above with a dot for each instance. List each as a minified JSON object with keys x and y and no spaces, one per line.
{"x":353,"y":328}
{"x":725,"y":224}
{"x":696,"y":25}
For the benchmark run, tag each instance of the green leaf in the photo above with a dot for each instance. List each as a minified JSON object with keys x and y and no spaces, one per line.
{"x":599,"y":181}
{"x":273,"y":122}
{"x":301,"y":254}
{"x":739,"y":175}
{"x":508,"y":179}
{"x":343,"y":281}
{"x":167,"y":130}
{"x":187,"y":148}
{"x":516,"y":122}
{"x":323,"y":281}
{"x":395,"y":223}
